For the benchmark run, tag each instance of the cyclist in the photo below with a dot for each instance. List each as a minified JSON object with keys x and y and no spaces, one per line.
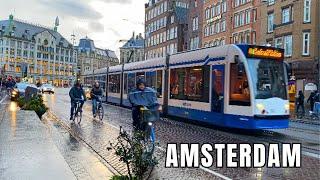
{"x":95,"y":92}
{"x":142,"y":96}
{"x":76,"y":93}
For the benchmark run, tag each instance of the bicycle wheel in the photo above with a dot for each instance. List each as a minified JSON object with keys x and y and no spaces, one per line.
{"x":150,"y":140}
{"x":78,"y":115}
{"x":100,"y":112}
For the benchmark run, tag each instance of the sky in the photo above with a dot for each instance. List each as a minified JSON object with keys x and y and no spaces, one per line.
{"x":105,"y":21}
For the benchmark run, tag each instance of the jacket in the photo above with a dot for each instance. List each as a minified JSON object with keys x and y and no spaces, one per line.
{"x":96,"y":92}
{"x":76,"y":93}
{"x":147,"y":97}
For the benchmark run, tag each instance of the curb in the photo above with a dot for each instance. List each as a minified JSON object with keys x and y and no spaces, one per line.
{"x":305,"y":122}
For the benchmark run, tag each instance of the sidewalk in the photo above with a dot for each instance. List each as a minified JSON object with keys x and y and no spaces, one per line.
{"x":26,"y":150}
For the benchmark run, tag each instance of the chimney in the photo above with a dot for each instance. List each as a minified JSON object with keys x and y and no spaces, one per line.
{"x":133,"y":35}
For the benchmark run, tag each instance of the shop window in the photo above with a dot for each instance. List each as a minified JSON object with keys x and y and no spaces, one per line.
{"x":239,"y":87}
{"x":114,"y":83}
{"x":190,"y":83}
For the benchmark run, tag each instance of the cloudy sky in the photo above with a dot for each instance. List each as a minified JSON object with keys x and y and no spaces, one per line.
{"x":104,"y":21}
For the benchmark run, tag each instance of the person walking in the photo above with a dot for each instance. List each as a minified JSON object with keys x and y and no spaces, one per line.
{"x":312,"y":99}
{"x":300,"y":103}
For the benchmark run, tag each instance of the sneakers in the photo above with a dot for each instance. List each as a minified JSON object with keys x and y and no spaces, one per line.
{"x":71,"y":118}
{"x":94,"y":116}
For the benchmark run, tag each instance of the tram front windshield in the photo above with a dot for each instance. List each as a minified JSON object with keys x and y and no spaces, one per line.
{"x":269,"y":78}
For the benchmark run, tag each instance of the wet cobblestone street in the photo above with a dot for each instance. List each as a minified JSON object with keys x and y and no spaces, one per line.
{"x":97,"y":136}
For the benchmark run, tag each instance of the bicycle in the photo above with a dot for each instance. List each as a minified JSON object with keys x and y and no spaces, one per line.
{"x":99,"y":108}
{"x":77,"y":117}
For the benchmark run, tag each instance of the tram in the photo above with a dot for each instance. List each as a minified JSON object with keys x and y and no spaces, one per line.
{"x":236,"y":86}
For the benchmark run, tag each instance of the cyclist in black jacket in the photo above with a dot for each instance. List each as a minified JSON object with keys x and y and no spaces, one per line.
{"x":76,"y":93}
{"x":95,"y":92}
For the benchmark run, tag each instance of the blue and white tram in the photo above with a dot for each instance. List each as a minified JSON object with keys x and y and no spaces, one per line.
{"x":238,"y":86}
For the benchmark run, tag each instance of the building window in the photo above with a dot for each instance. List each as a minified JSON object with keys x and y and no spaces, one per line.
{"x":207,"y":13}
{"x":213,"y":11}
{"x":278,"y":42}
{"x":270,"y":22}
{"x":287,"y":45}
{"x":286,"y":15}
{"x":195,"y":3}
{"x":306,"y":44}
{"x":270,"y":2}
{"x":248,"y":17}
{"x":223,"y":26}
{"x":218,"y":9}
{"x":172,"y":19}
{"x":306,"y":11}
{"x":195,"y":23}
{"x":224,"y":6}
{"x":236,"y":3}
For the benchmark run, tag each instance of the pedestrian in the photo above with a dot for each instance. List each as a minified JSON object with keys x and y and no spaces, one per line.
{"x":311,"y":100}
{"x":300,"y":102}
{"x":95,"y":92}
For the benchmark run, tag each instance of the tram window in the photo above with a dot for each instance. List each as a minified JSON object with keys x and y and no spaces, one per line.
{"x":114,"y":83}
{"x":239,"y":87}
{"x":140,"y":75}
{"x":125,"y":81}
{"x":159,"y":83}
{"x":131,"y":81}
{"x":190,"y":83}
{"x":151,"y":79}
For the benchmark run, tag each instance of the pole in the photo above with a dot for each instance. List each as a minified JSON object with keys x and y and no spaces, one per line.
{"x":318,"y":9}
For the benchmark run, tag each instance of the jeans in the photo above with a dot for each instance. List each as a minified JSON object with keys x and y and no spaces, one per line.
{"x":136,"y":117}
{"x":300,"y":106}
{"x":94,"y":106}
{"x":73,"y":106}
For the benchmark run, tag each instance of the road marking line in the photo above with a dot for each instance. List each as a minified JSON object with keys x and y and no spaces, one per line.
{"x":311,"y":154}
{"x":215,"y":173}
{"x":3,"y":99}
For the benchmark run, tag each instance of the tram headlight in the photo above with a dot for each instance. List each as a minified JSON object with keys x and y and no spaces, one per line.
{"x":287,"y":106}
{"x":260,"y":107}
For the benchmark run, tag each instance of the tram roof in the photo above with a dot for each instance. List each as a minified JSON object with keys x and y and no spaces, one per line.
{"x":202,"y":56}
{"x":114,"y":69}
{"x":147,"y":64}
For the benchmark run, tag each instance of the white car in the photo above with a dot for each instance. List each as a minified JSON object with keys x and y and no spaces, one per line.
{"x":47,"y":88}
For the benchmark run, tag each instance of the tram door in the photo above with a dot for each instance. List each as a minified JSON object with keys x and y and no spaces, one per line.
{"x":217,"y":96}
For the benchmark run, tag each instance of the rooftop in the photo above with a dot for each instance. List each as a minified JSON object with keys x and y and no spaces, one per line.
{"x":25,"y":30}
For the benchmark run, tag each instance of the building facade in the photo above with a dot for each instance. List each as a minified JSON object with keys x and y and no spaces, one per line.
{"x":165,"y":27}
{"x":91,"y":58}
{"x":230,"y":21}
{"x":195,"y":23}
{"x":132,"y":50}
{"x":294,"y":25}
{"x":36,"y":53}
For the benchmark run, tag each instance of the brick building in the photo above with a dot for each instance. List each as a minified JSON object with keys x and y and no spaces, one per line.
{"x":230,"y":21}
{"x":195,"y":21}
{"x":294,"y":26}
{"x":165,"y":27}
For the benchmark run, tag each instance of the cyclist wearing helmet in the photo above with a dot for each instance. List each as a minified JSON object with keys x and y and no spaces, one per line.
{"x":76,"y":93}
{"x":139,"y":97}
{"x":95,"y":92}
